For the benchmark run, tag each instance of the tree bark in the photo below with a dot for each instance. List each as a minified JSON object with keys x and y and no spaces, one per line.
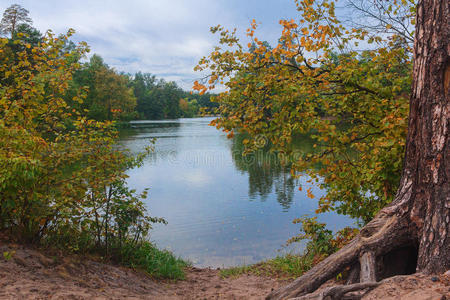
{"x":419,"y":214}
{"x":427,"y":149}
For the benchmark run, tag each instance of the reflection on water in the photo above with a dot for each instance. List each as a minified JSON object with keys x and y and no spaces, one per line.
{"x":266,"y":174}
{"x":223,"y":208}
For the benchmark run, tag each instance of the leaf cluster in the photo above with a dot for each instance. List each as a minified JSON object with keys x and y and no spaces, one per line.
{"x":321,"y":79}
{"x":62,"y":176}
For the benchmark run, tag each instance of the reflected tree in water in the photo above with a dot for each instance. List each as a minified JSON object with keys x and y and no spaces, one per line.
{"x":266,"y":172}
{"x":284,"y":188}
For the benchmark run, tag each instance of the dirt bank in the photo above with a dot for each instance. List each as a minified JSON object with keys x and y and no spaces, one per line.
{"x":28,"y":274}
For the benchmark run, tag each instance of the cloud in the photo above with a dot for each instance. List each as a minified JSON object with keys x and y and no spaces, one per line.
{"x":163,"y":37}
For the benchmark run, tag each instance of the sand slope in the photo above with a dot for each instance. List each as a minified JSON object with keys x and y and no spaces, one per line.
{"x":31,"y":275}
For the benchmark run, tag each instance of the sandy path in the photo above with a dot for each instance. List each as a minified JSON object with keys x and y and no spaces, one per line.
{"x":31,"y":275}
{"x":207,"y":284}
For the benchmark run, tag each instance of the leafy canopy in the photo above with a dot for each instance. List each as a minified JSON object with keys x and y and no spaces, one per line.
{"x":109,"y":94}
{"x":344,"y":85}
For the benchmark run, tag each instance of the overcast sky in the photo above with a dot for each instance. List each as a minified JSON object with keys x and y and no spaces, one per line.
{"x":162,"y":37}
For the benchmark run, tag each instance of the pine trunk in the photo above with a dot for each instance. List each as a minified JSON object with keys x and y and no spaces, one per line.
{"x":427,"y":165}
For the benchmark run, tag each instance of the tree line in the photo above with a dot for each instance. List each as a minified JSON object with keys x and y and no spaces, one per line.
{"x":120,"y":96}
{"x":111,"y":95}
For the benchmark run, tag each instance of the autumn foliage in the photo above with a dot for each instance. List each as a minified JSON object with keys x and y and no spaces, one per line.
{"x":345,"y":86}
{"x":62,"y":178}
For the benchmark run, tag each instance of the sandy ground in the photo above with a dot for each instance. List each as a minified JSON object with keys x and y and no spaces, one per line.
{"x":412,"y":287}
{"x":31,"y":275}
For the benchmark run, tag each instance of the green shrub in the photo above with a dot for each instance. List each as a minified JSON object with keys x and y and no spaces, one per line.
{"x":62,"y":176}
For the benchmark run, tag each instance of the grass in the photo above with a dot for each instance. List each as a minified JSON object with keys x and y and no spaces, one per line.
{"x":321,"y":243}
{"x":160,"y":264}
{"x":142,"y":255}
{"x":283,"y":267}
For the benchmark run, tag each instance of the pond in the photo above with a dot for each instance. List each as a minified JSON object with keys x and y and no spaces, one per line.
{"x":223,"y":209}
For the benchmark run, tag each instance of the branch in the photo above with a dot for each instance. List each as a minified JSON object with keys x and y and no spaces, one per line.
{"x":383,"y":15}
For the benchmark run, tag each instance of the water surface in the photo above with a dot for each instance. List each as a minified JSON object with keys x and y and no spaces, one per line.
{"x":223,"y":209}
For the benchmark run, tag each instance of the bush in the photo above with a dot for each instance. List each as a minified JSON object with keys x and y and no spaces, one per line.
{"x":62,"y":177}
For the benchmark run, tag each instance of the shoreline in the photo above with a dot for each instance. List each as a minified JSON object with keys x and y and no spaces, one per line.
{"x":28,"y":273}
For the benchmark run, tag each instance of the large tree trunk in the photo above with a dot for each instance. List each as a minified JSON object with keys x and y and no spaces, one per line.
{"x":419,"y":216}
{"x":427,"y":153}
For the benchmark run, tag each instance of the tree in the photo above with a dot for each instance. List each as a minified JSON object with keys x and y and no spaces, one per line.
{"x":354,"y":104}
{"x":33,"y":133}
{"x":172,"y":95}
{"x":14,"y":16}
{"x":157,"y":99}
{"x":114,"y":99}
{"x":62,"y":178}
{"x":109,"y":96}
{"x":28,"y":34}
{"x":419,"y":215}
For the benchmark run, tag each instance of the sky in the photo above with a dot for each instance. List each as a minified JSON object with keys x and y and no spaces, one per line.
{"x":163,"y":37}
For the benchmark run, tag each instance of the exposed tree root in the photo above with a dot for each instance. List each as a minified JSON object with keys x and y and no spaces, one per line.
{"x":338,"y":292}
{"x":419,"y":216}
{"x":384,"y":233}
{"x":367,"y":261}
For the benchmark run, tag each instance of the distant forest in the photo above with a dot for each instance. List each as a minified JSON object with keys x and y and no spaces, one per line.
{"x":113,"y":95}
{"x":120,"y":96}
